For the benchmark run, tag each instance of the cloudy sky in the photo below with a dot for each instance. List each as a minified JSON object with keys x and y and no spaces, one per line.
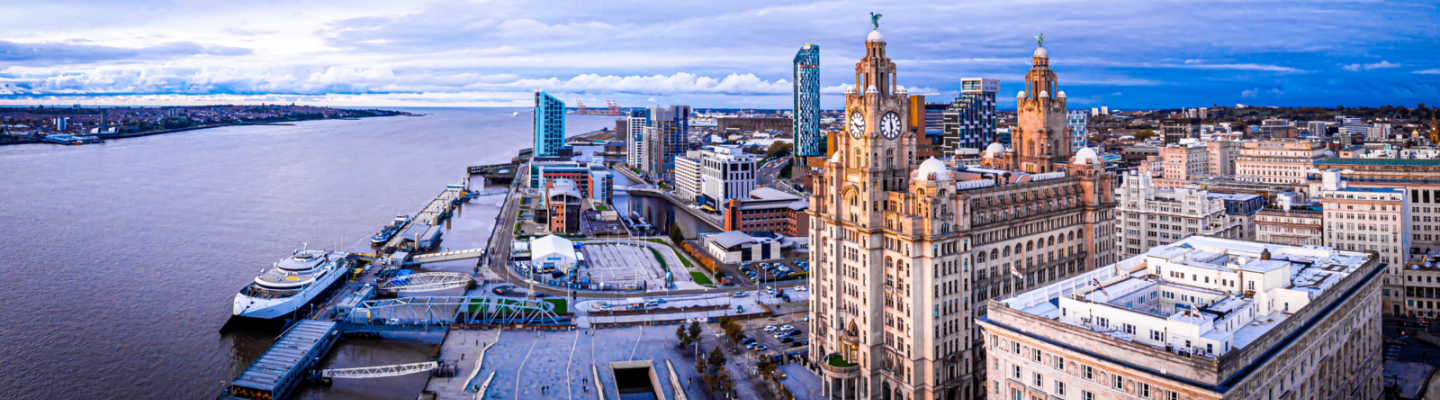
{"x":734,"y":53}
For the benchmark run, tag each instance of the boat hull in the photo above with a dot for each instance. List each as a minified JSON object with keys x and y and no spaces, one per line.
{"x":268,"y":309}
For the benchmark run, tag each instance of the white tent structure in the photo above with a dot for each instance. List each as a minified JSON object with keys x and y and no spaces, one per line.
{"x":552,"y":251}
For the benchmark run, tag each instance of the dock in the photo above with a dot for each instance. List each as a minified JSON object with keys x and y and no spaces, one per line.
{"x":281,"y":368}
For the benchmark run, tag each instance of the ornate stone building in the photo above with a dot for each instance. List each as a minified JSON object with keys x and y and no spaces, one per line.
{"x":903,"y":252}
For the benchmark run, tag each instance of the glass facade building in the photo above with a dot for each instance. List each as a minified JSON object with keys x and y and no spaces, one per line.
{"x":670,"y":127}
{"x":809,"y":141}
{"x":969,"y":121}
{"x":549,"y":125}
{"x":1077,"y":120}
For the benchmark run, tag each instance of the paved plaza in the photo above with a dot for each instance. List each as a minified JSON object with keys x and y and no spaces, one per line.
{"x":624,"y":266}
{"x":525,"y":361}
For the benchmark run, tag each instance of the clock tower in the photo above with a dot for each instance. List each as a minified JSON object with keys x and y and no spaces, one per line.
{"x":877,"y":150}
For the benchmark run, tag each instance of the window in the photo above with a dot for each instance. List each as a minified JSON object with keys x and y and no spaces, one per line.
{"x":1144,"y":389}
{"x":1039,"y":381}
{"x":1087,"y":372}
{"x":1035,"y":355}
{"x":1086,"y":395}
{"x":1060,"y":363}
{"x":1015,"y":346}
{"x":1060,"y":388}
{"x":1118,"y":383}
{"x":1016,"y":371}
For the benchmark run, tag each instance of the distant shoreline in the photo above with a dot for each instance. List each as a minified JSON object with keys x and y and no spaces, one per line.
{"x":193,"y":128}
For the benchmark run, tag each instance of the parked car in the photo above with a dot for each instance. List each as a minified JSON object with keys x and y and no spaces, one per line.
{"x":770,"y":290}
{"x":802,"y":289}
{"x":786,"y":328}
{"x":747,"y":340}
{"x":787,"y":339}
{"x":737,"y":294}
{"x":770,"y":328}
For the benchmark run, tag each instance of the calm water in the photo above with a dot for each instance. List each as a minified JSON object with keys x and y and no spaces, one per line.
{"x":120,"y":261}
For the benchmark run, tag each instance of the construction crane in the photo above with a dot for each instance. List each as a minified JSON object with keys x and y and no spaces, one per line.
{"x":580,"y":105}
{"x":614,"y":107}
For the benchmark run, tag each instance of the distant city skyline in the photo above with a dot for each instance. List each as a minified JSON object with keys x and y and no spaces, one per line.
{"x":737,"y":54}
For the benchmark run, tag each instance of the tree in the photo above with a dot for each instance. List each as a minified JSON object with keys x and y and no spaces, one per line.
{"x":778,"y":149}
{"x":732,"y":330}
{"x":1144,"y":134}
{"x":694,"y":330}
{"x":682,"y":335}
{"x":676,"y":236}
{"x":715,"y":359}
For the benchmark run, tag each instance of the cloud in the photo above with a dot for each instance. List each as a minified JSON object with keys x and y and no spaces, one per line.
{"x":1115,"y":94}
{"x":80,"y":52}
{"x":1197,"y":64}
{"x":1431,"y":71}
{"x":1372,"y":66}
{"x":237,"y":31}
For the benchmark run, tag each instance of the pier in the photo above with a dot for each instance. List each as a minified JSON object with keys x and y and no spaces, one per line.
{"x":282,"y":367}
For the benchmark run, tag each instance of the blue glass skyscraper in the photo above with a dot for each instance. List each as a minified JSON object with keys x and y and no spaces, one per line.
{"x":549,"y":125}
{"x":808,"y":139}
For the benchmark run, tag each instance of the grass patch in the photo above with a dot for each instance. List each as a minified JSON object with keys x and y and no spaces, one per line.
{"x":662,"y":260}
{"x":681,"y":255}
{"x":601,"y":207}
{"x":837,"y":361}
{"x":701,"y":278}
{"x":561,"y":305}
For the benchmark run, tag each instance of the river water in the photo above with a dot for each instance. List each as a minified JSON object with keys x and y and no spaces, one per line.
{"x":120,"y":261}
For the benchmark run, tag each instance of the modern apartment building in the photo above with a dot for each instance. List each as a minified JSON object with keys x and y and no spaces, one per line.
{"x":1285,"y":162}
{"x":668,"y":137}
{"x":1422,"y":289}
{"x":1199,"y":319}
{"x":809,"y":141}
{"x":687,"y":176}
{"x":902,"y":253}
{"x":969,"y":121}
{"x":549,"y":133}
{"x":1077,"y":120}
{"x":635,"y":154}
{"x":1150,"y":217}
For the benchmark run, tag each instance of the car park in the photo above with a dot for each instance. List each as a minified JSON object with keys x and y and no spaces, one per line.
{"x":770,"y":328}
{"x":787,"y":328}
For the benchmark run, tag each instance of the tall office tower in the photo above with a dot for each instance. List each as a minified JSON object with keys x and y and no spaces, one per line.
{"x":1077,"y":121}
{"x":904,"y":251}
{"x":809,"y":141}
{"x":1104,"y":110}
{"x":635,"y":142}
{"x":671,"y":126}
{"x":1199,"y":319}
{"x":549,"y":125}
{"x":969,"y":121}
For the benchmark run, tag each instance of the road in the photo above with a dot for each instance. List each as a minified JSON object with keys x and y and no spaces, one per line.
{"x":769,"y":173}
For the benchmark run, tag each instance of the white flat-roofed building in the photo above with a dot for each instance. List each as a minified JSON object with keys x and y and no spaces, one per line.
{"x":1202,"y":318}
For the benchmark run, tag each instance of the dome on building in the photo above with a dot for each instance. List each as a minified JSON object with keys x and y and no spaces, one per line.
{"x":872,"y":89}
{"x":900,"y":89}
{"x":1061,"y":95}
{"x":1086,"y":156}
{"x":1021,"y":94}
{"x":933,"y":169}
{"x":1044,"y":94}
{"x":1040,"y":52}
{"x":875,"y":37}
{"x":994,"y":149}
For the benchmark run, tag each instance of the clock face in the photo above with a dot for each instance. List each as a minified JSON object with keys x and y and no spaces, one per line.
{"x":857,"y":124}
{"x":890,"y":125}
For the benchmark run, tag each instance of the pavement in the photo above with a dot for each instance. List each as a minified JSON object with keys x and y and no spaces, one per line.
{"x":525,"y":361}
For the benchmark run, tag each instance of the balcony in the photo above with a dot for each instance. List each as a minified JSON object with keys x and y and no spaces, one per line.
{"x":836,"y":366}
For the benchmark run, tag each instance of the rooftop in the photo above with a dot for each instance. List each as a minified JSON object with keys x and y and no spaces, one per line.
{"x":1381,"y":161}
{"x":1201,"y":296}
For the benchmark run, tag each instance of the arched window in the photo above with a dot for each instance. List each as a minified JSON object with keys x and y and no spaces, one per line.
{"x":1030,"y":246}
{"x":1007,"y":251}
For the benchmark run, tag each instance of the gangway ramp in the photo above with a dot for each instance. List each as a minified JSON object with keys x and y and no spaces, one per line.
{"x":426,"y":281}
{"x":281,"y":368}
{"x":447,"y":256}
{"x":378,"y":372}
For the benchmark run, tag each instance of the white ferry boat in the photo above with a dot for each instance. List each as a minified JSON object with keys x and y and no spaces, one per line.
{"x":291,"y":283}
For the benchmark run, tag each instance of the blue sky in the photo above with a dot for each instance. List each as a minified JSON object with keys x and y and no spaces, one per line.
{"x":736,"y":53}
